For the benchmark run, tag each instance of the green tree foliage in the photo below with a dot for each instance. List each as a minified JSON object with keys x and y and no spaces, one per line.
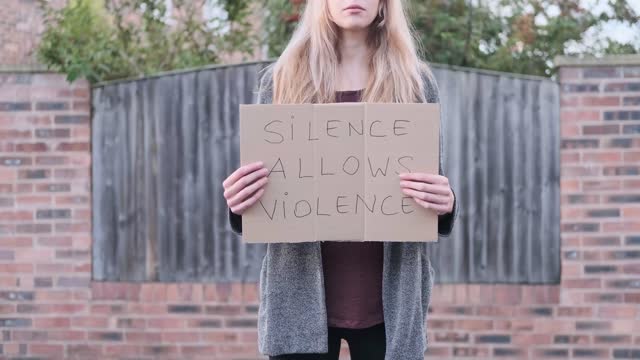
{"x":101,"y":41}
{"x":523,"y":39}
{"x":282,"y":17}
{"x":521,"y":36}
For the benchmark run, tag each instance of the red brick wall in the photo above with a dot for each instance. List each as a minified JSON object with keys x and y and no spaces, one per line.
{"x":50,"y":308}
{"x":21,"y":25}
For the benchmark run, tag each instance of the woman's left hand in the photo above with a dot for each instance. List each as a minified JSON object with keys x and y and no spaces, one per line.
{"x":431,"y":191}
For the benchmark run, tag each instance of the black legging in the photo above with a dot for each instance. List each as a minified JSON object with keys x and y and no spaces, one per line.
{"x":364,"y":344}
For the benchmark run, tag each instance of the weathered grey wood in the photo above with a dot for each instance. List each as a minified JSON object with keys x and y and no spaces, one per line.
{"x":162,"y":146}
{"x":102,"y":237}
{"x":150,"y":166}
{"x":502,"y":157}
{"x":550,"y":184}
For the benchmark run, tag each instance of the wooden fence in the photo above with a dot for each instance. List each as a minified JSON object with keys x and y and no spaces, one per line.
{"x":162,"y":146}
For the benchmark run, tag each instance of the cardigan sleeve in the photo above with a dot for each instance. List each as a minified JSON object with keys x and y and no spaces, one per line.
{"x":264,"y":96}
{"x":445,"y":221}
{"x":235,"y":221}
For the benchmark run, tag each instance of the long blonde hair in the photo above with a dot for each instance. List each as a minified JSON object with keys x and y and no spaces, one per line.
{"x":306,"y":70}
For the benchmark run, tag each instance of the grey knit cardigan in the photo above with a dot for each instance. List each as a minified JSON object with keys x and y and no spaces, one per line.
{"x":292,"y":314}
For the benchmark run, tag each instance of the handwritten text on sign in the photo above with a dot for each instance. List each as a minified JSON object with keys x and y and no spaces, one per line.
{"x":334,"y":170}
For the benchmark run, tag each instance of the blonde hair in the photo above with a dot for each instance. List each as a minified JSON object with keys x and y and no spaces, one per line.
{"x":306,"y":70}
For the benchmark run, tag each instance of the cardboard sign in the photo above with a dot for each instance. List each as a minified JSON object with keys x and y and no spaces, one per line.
{"x":334,"y":171}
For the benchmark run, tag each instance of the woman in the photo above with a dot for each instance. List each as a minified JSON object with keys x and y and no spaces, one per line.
{"x":374,"y":295}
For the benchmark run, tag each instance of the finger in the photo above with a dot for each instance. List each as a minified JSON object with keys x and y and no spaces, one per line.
{"x":240,"y":172}
{"x":440,"y":209}
{"x":425,"y":177}
{"x":422,"y":203}
{"x":426,"y":187}
{"x":247,"y":203}
{"x":435,"y":199}
{"x":244,"y":182}
{"x":247,"y":191}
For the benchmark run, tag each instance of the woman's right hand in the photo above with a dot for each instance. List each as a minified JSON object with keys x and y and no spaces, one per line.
{"x":245,"y":186}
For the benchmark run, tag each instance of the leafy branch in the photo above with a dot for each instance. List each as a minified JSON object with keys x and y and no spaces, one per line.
{"x":109,"y":39}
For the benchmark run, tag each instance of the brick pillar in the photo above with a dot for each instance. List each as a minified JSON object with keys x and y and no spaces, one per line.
{"x":45,"y":211}
{"x":600,"y":187}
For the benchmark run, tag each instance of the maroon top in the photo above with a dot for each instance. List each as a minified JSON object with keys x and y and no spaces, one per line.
{"x":352,"y":273}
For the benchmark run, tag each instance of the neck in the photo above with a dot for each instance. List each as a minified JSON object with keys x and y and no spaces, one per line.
{"x":354,"y":60}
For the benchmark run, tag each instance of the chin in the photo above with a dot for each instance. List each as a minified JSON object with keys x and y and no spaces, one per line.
{"x":354,"y":25}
